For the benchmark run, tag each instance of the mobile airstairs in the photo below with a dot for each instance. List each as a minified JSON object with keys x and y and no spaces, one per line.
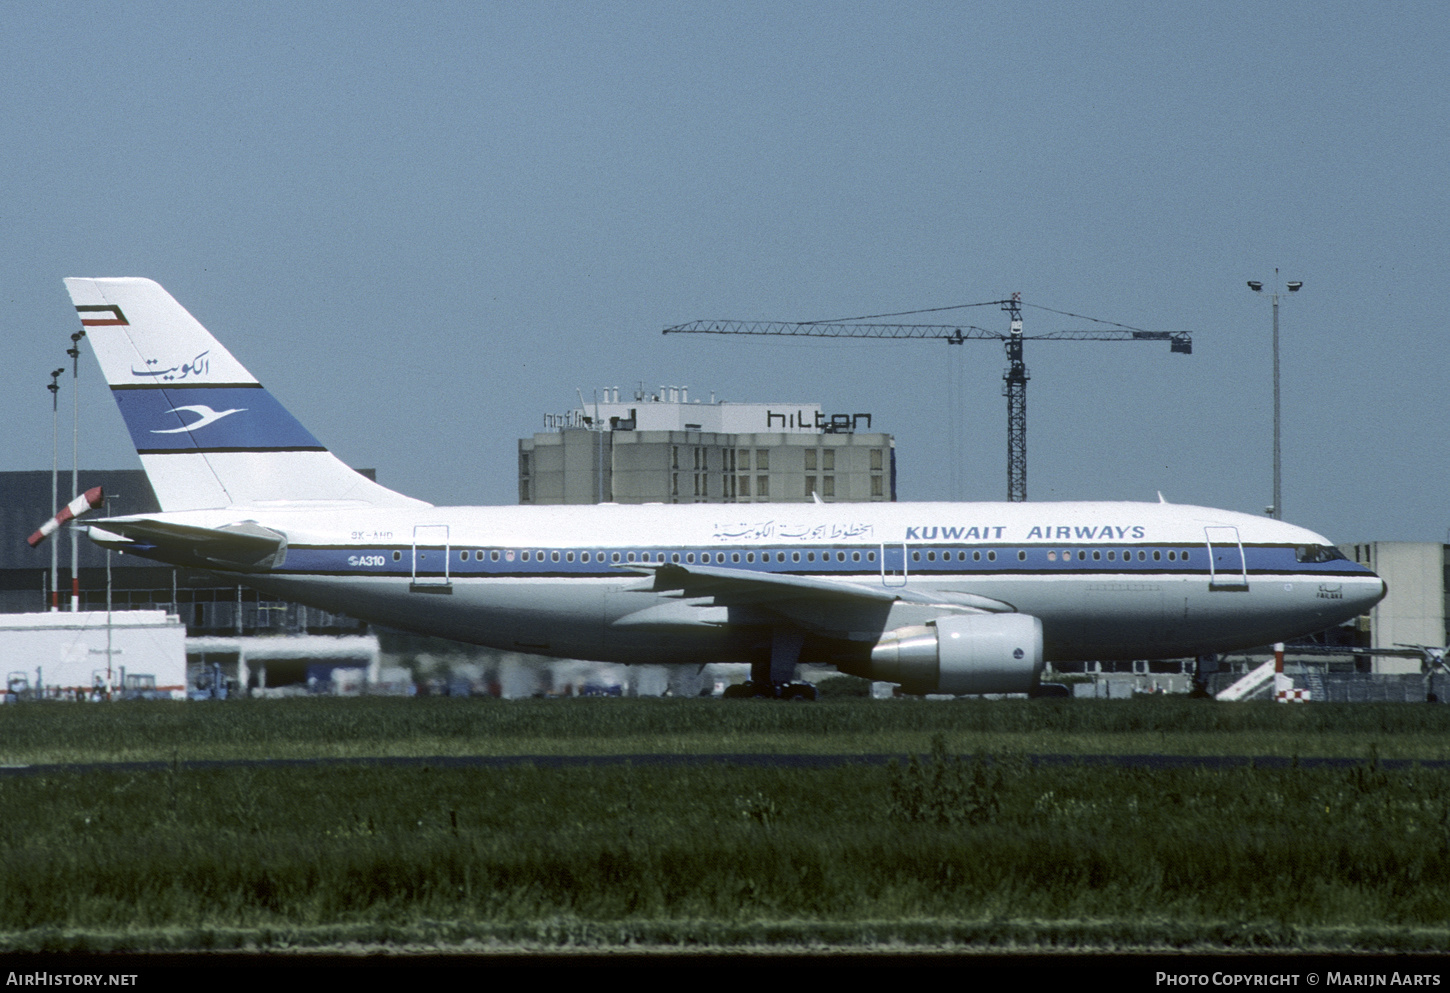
{"x":1271,"y":671}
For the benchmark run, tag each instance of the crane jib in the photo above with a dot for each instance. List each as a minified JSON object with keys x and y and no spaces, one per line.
{"x":1015,"y":378}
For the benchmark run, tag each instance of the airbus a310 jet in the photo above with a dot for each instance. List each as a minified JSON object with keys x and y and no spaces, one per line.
{"x":937,"y":597}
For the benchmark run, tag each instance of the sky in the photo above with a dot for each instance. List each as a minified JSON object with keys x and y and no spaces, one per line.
{"x":425,"y":226}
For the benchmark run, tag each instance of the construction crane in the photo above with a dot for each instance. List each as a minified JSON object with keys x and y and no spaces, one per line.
{"x":1014,"y":379}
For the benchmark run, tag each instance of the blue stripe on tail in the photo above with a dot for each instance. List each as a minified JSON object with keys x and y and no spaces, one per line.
{"x":242,"y":418}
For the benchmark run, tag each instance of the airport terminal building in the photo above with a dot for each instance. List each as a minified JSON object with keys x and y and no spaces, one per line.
{"x":665,"y":448}
{"x":1417,"y":608}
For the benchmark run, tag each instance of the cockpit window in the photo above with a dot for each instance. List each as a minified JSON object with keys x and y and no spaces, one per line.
{"x":1317,"y":553}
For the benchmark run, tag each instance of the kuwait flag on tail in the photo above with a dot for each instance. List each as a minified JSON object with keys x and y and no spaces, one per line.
{"x":87,"y":501}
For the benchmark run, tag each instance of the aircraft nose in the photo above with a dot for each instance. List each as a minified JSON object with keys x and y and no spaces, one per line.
{"x":1372,"y":594}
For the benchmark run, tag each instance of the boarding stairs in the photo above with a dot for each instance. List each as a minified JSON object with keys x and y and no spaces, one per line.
{"x":1249,"y":684}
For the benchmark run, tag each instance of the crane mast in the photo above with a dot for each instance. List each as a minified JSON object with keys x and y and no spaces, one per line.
{"x":1014,"y":388}
{"x":1014,"y":378}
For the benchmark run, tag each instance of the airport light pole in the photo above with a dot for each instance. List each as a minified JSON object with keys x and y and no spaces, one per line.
{"x":1277,"y":509}
{"x":110,"y":627}
{"x":54,"y":388}
{"x":74,"y":351}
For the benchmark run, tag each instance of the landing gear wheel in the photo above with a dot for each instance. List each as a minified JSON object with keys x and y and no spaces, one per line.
{"x":798,"y":691}
{"x":751,"y":689}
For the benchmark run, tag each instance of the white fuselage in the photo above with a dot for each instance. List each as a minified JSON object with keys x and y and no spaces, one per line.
{"x":1108,"y":580}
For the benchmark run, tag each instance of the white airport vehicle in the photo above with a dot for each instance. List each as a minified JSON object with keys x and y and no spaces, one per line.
{"x":937,"y":597}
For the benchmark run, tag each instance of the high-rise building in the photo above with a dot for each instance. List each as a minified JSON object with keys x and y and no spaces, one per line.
{"x":664,"y":448}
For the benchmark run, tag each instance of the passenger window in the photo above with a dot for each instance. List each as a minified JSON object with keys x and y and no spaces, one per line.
{"x":795,"y":556}
{"x":1021,"y":556}
{"x":1097,"y":555}
{"x":855,"y":556}
{"x":734,"y":556}
{"x":398,"y":556}
{"x":554,"y":556}
{"x":524,"y":556}
{"x":1156,"y":555}
{"x":976,"y":556}
{"x":992,"y":556}
{"x":568,"y":556}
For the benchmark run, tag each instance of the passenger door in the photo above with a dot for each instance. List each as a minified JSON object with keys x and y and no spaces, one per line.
{"x":1226,"y":568}
{"x":430,"y":559}
{"x":893,"y":565}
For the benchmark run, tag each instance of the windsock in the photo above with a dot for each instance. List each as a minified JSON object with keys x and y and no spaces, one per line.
{"x":87,"y":501}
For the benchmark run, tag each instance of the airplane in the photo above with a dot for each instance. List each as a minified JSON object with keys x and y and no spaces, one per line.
{"x":955,"y":598}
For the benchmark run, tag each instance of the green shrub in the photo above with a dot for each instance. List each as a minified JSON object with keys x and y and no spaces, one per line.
{"x":942,"y":789}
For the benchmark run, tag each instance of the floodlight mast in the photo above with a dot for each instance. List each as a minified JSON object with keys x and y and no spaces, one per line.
{"x":1276,"y":510}
{"x":54,"y":388}
{"x":1014,"y":385}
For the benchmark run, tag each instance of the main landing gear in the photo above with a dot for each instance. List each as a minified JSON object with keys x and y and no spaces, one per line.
{"x":774,"y":678}
{"x":770,"y":691}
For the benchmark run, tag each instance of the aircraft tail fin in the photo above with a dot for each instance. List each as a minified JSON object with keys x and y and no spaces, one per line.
{"x":207,"y":432}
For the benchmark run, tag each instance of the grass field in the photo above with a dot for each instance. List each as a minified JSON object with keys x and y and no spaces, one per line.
{"x":380,"y":726}
{"x":930,"y":853}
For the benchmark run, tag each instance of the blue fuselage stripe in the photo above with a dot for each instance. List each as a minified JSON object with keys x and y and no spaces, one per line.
{"x":939,"y":562}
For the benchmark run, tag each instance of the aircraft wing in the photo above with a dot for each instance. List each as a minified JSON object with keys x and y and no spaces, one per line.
{"x":819,"y":604}
{"x":246,"y":546}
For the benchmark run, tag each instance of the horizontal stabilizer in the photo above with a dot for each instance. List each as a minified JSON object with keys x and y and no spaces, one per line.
{"x":245,"y":547}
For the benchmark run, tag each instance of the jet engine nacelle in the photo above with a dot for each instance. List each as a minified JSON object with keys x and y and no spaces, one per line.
{"x":962,"y":653}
